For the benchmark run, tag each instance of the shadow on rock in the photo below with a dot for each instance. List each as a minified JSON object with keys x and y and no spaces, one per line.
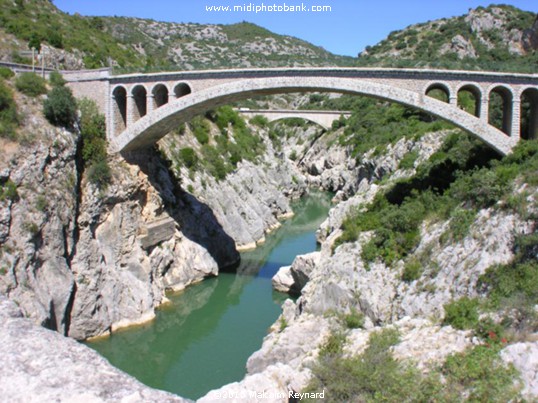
{"x":195,"y":218}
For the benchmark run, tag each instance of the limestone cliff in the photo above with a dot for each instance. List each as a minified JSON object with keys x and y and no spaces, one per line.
{"x":83,"y":260}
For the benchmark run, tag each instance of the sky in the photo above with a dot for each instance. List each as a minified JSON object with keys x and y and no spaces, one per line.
{"x":346,"y":29}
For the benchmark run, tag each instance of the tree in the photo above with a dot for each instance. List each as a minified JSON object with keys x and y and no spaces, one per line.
{"x":34,"y":42}
{"x":60,"y":108}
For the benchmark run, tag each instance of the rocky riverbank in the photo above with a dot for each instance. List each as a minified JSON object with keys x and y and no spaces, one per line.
{"x":336,"y":283}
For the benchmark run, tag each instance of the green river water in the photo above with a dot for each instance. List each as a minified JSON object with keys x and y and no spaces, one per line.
{"x":202,"y":340}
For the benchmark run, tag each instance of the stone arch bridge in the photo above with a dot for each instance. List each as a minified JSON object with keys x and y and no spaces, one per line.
{"x":322,"y":118}
{"x":142,"y":108}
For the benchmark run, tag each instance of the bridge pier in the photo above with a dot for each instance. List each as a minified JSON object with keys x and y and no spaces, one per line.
{"x":453,"y":100}
{"x":150,"y":103}
{"x":130,"y":110}
{"x":483,"y":113}
{"x":515,"y":115}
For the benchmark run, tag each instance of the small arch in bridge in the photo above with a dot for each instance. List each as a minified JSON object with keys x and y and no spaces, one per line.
{"x":500,"y":109}
{"x":469,"y":99}
{"x":439,"y":91}
{"x":140,"y":98}
{"x":182,"y":89}
{"x":160,"y":95}
{"x":529,"y":114}
{"x":119,"y":109}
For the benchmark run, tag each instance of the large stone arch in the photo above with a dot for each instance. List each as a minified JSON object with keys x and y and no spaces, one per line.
{"x":160,"y":95}
{"x":477,"y":94}
{"x":182,"y":89}
{"x":140,"y":102}
{"x":163,"y":120}
{"x":439,"y":86}
{"x":529,"y":118}
{"x":507,"y":97}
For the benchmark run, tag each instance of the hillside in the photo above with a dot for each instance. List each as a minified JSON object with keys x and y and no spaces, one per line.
{"x":75,"y":41}
{"x":493,"y":38}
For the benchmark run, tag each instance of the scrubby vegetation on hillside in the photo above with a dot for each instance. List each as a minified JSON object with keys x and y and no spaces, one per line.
{"x":137,"y":44}
{"x":9,"y":118}
{"x":464,"y":42}
{"x":477,"y":375}
{"x":94,"y":145}
{"x":223,"y":140}
{"x":39,"y":21}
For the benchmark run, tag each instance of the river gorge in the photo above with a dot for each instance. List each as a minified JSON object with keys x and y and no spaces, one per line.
{"x":202,"y":338}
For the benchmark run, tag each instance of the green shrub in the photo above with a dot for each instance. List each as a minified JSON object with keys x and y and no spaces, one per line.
{"x":482,"y":188}
{"x":200,"y":128}
{"x":518,"y":278}
{"x":99,"y":174}
{"x":214,"y":163}
{"x":6,"y":73}
{"x":94,"y":145}
{"x":260,"y":121}
{"x":333,"y":345}
{"x":55,"y":39}
{"x":481,"y":373}
{"x":93,"y":132}
{"x":56,"y":79}
{"x":41,"y":203}
{"x":408,"y":161}
{"x":412,"y":270}
{"x":372,"y":376}
{"x":60,"y":107}
{"x":8,"y":191}
{"x":30,"y":84}
{"x":188,"y":157}
{"x":354,"y":319}
{"x":462,"y":313}
{"x":9,"y":118}
{"x":31,"y":227}
{"x":293,"y":155}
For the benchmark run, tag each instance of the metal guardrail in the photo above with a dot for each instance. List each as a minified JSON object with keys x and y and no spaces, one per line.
{"x":18,"y":67}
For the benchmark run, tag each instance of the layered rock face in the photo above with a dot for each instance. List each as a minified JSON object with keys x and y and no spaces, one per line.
{"x":41,"y":365}
{"x":72,"y":254}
